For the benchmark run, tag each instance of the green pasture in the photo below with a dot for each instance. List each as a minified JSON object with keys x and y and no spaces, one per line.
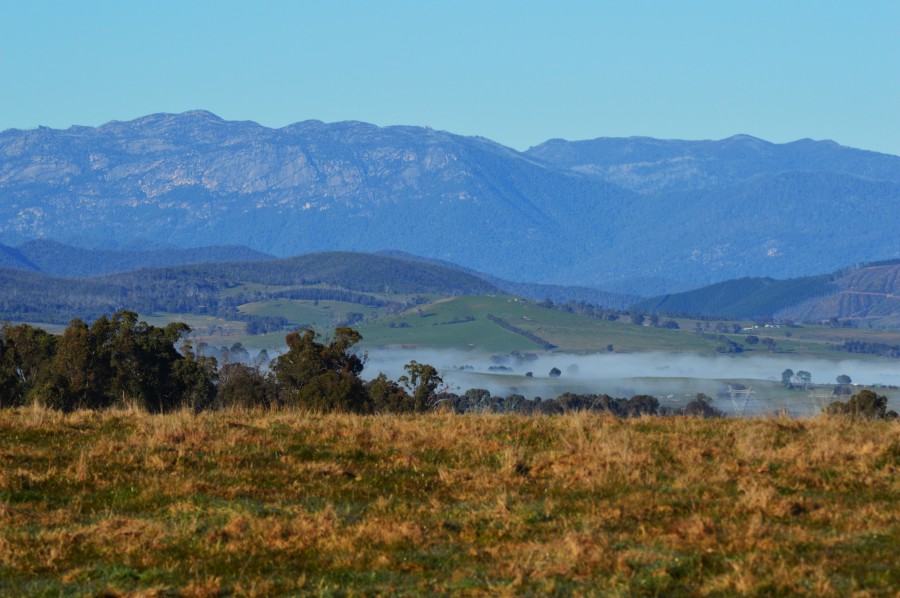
{"x":443,"y":324}
{"x":462,"y":323}
{"x":321,"y":315}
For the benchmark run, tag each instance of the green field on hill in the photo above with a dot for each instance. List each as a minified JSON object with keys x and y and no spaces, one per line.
{"x":321,"y":315}
{"x":432,"y":325}
{"x":462,"y":323}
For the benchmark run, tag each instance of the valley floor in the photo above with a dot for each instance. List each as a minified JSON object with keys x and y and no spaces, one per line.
{"x":271,"y":503}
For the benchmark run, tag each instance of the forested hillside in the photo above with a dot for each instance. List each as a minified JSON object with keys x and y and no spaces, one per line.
{"x":744,"y":298}
{"x":12,"y":258}
{"x":535,"y":290}
{"x":862,"y":296}
{"x":211,"y":288}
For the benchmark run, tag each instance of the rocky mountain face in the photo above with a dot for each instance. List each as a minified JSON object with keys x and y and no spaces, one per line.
{"x":631,"y":215}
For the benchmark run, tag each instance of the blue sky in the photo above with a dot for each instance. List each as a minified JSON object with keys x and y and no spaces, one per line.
{"x":516,"y":72}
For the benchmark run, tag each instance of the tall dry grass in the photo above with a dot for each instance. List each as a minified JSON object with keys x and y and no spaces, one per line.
{"x":269,"y":503}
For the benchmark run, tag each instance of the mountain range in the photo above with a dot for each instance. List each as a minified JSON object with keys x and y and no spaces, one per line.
{"x":636,"y":215}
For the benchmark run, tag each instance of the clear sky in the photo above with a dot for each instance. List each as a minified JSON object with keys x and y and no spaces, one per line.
{"x":518,"y":72}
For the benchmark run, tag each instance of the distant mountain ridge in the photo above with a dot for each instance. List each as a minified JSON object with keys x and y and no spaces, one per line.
{"x":742,"y":298}
{"x":58,"y":259}
{"x":632,"y":214}
{"x":645,"y":165}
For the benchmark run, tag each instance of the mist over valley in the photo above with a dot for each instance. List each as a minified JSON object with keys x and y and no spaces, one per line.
{"x":675,"y":378}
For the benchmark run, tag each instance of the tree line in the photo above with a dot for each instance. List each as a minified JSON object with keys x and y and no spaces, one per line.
{"x":121,"y":361}
{"x":869,"y":348}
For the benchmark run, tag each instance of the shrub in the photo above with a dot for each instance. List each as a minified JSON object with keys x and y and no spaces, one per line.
{"x":702,"y":407}
{"x":864,"y":405}
{"x":244,"y":386}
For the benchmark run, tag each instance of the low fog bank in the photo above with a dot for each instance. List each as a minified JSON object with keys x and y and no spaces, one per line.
{"x":672,"y":377}
{"x":614,"y":366}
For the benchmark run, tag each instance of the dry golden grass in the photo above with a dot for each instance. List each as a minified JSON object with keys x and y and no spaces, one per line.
{"x":274,"y":503}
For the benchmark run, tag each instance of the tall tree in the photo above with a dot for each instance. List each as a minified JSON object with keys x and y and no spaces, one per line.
{"x":79,"y":375}
{"x":195,"y":375}
{"x":322,"y":377}
{"x":423,"y":382}
{"x":26,"y":359}
{"x":786,"y":377}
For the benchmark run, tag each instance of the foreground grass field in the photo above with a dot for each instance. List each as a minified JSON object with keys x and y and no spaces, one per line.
{"x":288,"y":503}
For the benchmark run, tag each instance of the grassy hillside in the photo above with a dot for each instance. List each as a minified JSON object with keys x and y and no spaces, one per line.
{"x":321,"y":315}
{"x":289,"y":503}
{"x":534,"y":290}
{"x":461,"y":322}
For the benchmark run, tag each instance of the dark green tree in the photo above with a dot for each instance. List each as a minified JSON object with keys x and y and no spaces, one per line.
{"x":79,"y":376}
{"x":25,"y":362}
{"x":423,"y":382}
{"x":388,"y":396}
{"x":476,"y":400}
{"x":322,"y":377}
{"x":10,"y":391}
{"x":195,"y":376}
{"x":245,"y":387}
{"x":237,"y":353}
{"x":787,"y":377}
{"x":702,"y":406}
{"x":144,"y":366}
